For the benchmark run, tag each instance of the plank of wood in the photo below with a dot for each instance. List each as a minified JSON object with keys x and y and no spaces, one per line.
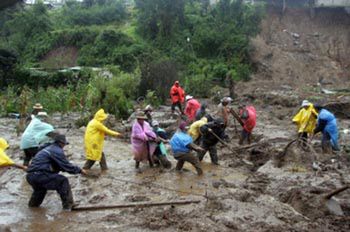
{"x":140,"y":204}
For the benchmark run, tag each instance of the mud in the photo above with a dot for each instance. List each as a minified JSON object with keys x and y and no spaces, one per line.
{"x":234,"y":196}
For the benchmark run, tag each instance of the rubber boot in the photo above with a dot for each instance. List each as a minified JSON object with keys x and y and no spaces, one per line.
{"x":67,"y":201}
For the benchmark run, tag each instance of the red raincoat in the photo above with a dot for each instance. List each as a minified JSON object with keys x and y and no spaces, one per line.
{"x":177,"y":94}
{"x":191,"y":108}
{"x":250,"y":122}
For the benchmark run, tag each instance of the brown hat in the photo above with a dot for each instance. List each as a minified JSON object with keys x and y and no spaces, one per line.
{"x":38,"y":106}
{"x":140,"y":115}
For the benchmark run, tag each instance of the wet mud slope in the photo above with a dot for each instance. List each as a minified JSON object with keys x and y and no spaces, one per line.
{"x":259,"y":193}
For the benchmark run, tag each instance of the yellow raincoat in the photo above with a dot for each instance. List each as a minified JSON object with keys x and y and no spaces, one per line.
{"x":194,"y":128}
{"x":306,"y":119}
{"x":4,"y":159}
{"x":95,"y":135}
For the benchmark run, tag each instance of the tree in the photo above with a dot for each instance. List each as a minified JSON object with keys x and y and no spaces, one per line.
{"x":25,"y":25}
{"x":159,"y":17}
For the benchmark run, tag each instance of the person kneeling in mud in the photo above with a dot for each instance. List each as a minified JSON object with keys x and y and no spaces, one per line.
{"x":210,"y":134}
{"x":143,"y":140}
{"x":94,"y":140}
{"x":181,"y":146}
{"x":43,"y":174}
{"x":160,"y":153}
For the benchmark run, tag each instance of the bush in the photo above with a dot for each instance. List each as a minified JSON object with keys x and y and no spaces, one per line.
{"x":111,"y":11}
{"x":110,"y":93}
{"x":156,"y":76}
{"x":198,"y":86}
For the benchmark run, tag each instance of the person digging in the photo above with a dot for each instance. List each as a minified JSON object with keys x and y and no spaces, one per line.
{"x":305,"y":120}
{"x":327,"y":124}
{"x":43,"y":174}
{"x":94,"y":140}
{"x":248,"y":119}
{"x":210,"y":134}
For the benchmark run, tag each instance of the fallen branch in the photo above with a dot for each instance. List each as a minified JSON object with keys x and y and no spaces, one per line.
{"x":141,"y":204}
{"x":335,"y":192}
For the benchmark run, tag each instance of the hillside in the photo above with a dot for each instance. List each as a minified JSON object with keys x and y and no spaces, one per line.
{"x":297,"y":50}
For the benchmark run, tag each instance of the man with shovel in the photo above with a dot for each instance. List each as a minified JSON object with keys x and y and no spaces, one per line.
{"x":211,"y":132}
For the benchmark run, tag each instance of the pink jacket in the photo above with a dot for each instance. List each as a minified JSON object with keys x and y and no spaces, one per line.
{"x":191,"y":108}
{"x":250,"y":122}
{"x":140,"y":136}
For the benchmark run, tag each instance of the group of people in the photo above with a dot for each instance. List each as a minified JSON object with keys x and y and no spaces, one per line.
{"x":196,"y":134}
{"x":198,"y":131}
{"x":312,"y":119}
{"x":44,"y":156}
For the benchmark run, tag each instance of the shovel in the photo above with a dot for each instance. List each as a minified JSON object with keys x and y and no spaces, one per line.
{"x":228,"y":146}
{"x":332,"y":205}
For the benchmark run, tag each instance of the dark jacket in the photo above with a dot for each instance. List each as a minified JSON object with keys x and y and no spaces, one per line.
{"x":162,"y":134}
{"x":52,"y":159}
{"x":207,"y":137}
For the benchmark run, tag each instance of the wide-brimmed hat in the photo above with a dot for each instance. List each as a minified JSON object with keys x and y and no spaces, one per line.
{"x":141,"y":115}
{"x":61,"y":139}
{"x":305,"y":103}
{"x":188,"y":97}
{"x":38,"y":106}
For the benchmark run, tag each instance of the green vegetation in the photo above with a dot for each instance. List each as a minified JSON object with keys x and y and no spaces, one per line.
{"x":140,"y":50}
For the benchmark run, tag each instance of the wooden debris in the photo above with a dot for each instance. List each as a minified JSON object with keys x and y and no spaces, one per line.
{"x":141,"y":204}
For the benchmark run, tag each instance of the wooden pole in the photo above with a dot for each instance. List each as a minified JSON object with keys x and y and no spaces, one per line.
{"x":339,"y":190}
{"x":236,"y":116}
{"x":221,"y":141}
{"x":141,"y":204}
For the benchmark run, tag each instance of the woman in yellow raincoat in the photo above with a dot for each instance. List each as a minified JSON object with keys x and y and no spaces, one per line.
{"x":5,"y":161}
{"x":306,"y":119}
{"x":94,"y":140}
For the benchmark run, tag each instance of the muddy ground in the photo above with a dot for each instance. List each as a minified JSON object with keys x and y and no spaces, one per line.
{"x":235,"y":196}
{"x":270,"y":195}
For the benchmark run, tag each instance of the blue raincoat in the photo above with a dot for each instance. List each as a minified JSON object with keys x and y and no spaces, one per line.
{"x":179,"y":143}
{"x":330,"y":126}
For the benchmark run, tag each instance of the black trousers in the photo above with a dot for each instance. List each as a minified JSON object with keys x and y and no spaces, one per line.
{"x":41,"y":182}
{"x":29,"y":153}
{"x":212,"y":152}
{"x":178,"y":104}
{"x":103,"y":163}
